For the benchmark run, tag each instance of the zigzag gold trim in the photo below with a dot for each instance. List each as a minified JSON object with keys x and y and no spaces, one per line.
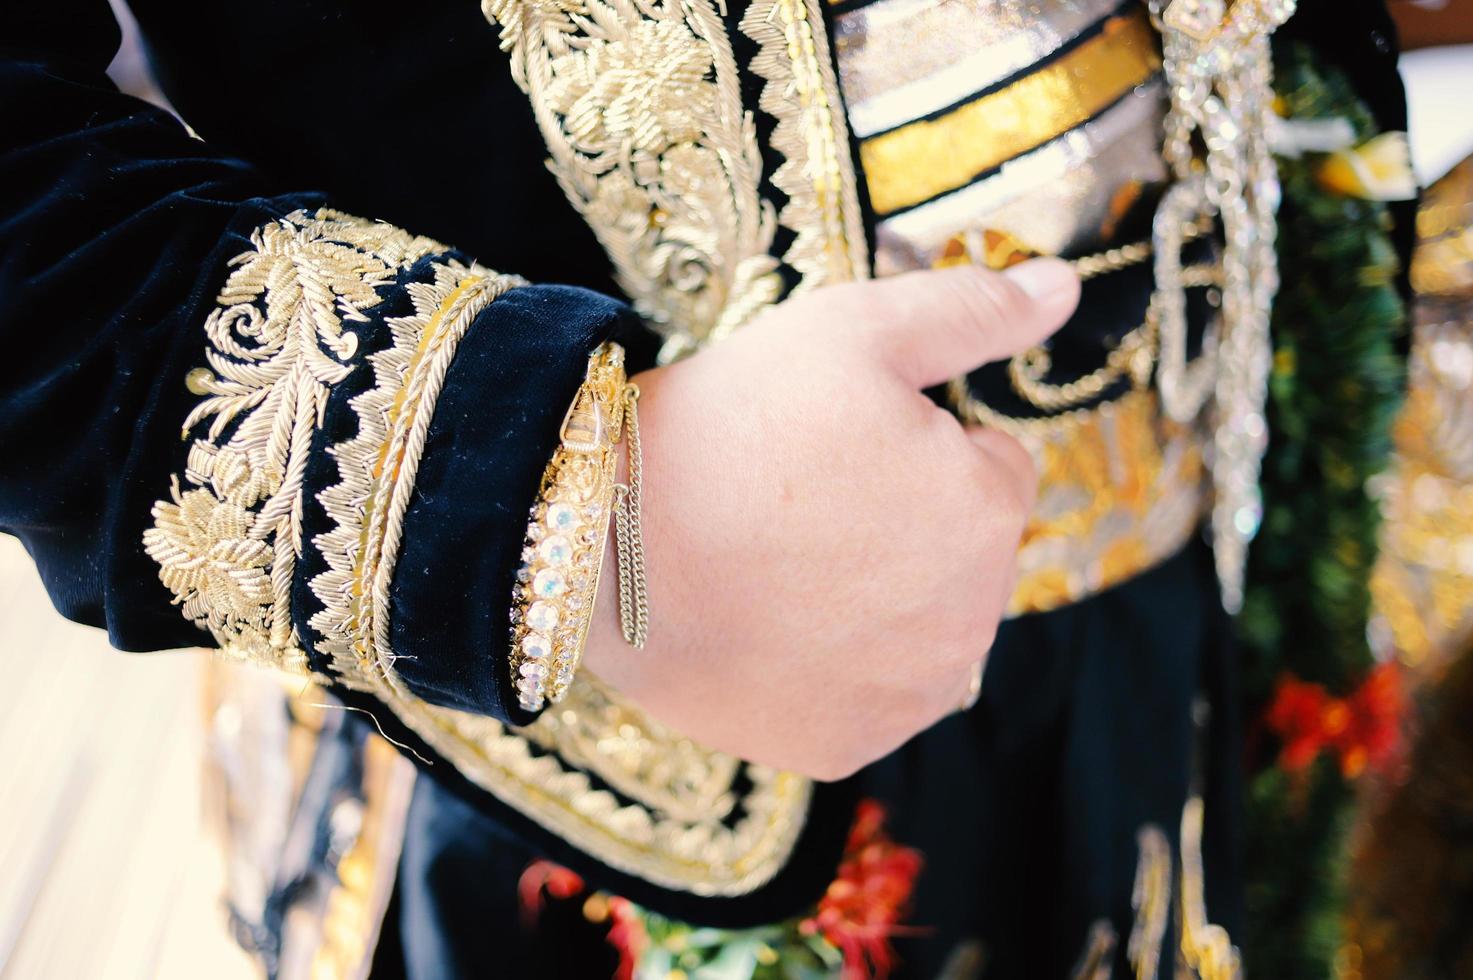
{"x":229,"y":540}
{"x":393,"y":420}
{"x":817,"y":175}
{"x":640,"y":104}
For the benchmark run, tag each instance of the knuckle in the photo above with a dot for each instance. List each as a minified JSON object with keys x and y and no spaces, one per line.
{"x":987,"y":296}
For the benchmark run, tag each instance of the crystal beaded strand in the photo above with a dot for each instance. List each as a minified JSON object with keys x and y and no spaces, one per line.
{"x":1219,"y":76}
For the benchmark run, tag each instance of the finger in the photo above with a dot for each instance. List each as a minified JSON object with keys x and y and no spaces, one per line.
{"x":1011,"y":461}
{"x":935,"y":324}
{"x":973,"y":692}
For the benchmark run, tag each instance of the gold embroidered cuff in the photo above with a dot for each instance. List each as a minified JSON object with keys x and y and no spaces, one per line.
{"x":563,"y":558}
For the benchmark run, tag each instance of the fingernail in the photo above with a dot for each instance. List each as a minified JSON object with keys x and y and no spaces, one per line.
{"x":1045,"y":278}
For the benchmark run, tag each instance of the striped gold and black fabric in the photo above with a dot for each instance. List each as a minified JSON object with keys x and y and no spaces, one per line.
{"x":1039,"y":119}
{"x":991,"y":129}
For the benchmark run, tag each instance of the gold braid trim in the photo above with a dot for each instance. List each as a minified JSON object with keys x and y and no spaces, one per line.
{"x":817,"y":174}
{"x":382,"y":460}
{"x":640,"y":104}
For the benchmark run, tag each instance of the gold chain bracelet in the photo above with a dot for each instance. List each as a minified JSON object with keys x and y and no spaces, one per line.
{"x":634,"y":603}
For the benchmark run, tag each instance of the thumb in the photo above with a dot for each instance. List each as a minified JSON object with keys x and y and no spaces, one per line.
{"x":934,"y":324}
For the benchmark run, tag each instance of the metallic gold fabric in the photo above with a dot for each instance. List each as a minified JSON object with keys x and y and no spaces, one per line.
{"x":1076,"y":127}
{"x":1060,"y":199}
{"x":1120,"y":490}
{"x":907,"y":166}
{"x":1423,"y":584}
{"x":901,"y":59}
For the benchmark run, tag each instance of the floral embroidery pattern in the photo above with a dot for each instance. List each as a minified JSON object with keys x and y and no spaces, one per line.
{"x":278,"y":341}
{"x":640,"y":104}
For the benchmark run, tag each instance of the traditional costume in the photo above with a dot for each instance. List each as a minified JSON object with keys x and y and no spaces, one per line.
{"x":317,"y":436}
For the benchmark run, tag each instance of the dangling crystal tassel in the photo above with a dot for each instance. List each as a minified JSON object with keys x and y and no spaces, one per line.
{"x":1219,"y":73}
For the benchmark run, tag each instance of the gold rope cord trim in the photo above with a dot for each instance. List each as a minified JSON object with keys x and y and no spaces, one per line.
{"x":817,"y":173}
{"x":640,"y":104}
{"x":408,"y":375}
{"x":929,"y":157}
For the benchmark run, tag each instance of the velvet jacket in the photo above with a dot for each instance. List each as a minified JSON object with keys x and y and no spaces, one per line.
{"x":119,"y":229}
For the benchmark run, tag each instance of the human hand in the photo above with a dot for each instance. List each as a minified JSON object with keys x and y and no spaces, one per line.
{"x":828,"y":552}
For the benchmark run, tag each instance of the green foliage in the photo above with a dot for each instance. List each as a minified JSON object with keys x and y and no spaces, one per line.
{"x":1337,"y":384}
{"x":776,"y":952}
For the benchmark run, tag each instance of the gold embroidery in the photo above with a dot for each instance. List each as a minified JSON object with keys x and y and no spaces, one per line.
{"x":638,"y":757}
{"x":228,"y":547}
{"x":1120,"y":490}
{"x":1151,"y":902}
{"x":817,"y":174}
{"x":393,"y":418}
{"x":1206,"y":949}
{"x":923,"y":159}
{"x":640,"y":104}
{"x":641,"y":108}
{"x":691,"y":847}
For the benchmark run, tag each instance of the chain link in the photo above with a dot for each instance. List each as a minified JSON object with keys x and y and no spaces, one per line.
{"x":634,"y":605}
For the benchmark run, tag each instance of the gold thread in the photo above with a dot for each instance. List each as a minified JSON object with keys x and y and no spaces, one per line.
{"x":641,"y":108}
{"x":228,"y":546}
{"x":817,"y":173}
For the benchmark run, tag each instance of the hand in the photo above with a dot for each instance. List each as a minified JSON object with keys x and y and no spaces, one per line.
{"x":828,"y":552}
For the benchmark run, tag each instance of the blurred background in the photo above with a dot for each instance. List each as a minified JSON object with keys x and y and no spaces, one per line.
{"x":109,"y":869}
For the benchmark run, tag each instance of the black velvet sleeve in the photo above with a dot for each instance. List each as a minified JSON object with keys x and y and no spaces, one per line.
{"x":119,"y":232}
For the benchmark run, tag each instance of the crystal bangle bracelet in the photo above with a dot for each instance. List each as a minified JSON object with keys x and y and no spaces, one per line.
{"x":563,"y":557}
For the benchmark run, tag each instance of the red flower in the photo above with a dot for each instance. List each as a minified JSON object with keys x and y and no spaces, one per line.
{"x":540,"y":879}
{"x":626,"y":935}
{"x":1297,"y":717}
{"x":1372,"y":737}
{"x":1364,"y":729}
{"x":862,"y":908}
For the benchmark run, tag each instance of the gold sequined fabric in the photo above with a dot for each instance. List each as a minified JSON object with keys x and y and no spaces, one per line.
{"x":1423,"y":583}
{"x":1035,"y":123}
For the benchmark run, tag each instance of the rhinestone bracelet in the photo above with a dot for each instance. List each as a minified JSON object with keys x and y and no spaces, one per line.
{"x":557,"y":582}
